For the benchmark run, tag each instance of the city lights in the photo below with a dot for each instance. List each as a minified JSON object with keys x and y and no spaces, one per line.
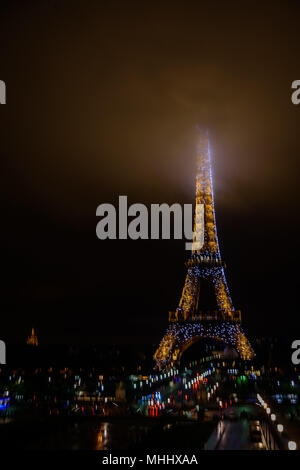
{"x":292,"y":445}
{"x":279,"y":428}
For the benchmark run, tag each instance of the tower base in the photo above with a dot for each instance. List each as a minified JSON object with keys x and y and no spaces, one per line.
{"x":181,"y":335}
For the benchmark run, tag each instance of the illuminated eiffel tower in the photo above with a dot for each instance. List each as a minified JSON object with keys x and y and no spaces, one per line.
{"x":205,"y":309}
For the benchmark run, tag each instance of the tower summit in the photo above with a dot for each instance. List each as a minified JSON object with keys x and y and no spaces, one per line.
{"x":205,"y":307}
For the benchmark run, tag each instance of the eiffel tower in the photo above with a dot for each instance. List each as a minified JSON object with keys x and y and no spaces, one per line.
{"x":205,"y":309}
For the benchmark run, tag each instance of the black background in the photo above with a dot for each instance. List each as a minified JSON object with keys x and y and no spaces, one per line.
{"x":102,"y":100}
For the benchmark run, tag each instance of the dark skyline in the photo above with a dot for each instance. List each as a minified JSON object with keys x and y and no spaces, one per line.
{"x":103,"y":100}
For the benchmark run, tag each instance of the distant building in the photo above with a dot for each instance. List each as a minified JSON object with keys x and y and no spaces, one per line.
{"x":32,"y":339}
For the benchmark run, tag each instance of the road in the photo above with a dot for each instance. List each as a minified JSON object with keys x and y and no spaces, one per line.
{"x":231,"y":435}
{"x":235,"y":436}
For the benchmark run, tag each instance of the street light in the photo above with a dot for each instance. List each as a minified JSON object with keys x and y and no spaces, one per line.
{"x":273,"y":417}
{"x":268,"y":410}
{"x":292,"y":445}
{"x":279,"y":427}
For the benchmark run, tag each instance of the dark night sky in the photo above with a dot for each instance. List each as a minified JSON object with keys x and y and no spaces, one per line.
{"x":102,"y":100}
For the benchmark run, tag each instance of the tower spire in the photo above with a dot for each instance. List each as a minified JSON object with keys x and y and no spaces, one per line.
{"x":205,"y":196}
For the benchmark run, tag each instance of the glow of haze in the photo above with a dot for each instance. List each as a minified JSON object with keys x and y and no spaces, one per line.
{"x":115,"y":92}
